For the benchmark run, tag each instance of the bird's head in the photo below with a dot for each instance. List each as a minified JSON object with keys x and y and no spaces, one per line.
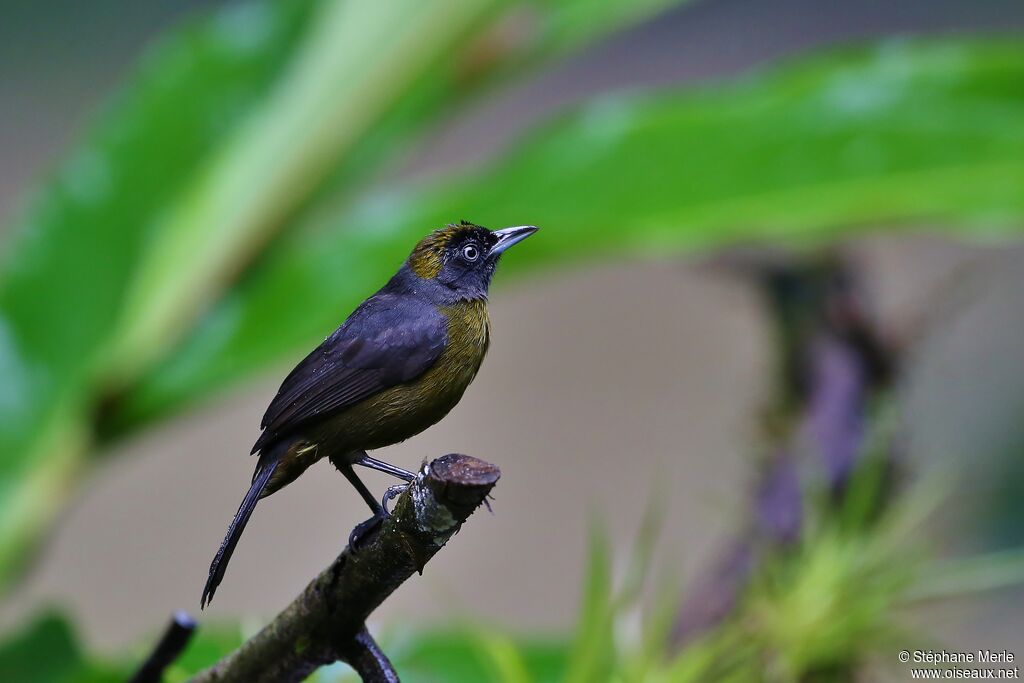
{"x":463,"y":257}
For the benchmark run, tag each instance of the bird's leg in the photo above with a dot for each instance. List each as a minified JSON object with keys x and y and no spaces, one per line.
{"x":375,"y":507}
{"x":374,"y":464}
{"x":380,"y":513}
{"x":407,"y":476}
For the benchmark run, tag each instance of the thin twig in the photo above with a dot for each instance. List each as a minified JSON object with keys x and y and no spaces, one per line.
{"x":326,"y":622}
{"x":364,"y":655}
{"x":170,"y":647}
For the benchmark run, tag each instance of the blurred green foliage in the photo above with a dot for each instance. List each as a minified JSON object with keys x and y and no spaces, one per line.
{"x":219,"y":218}
{"x":46,"y":651}
{"x":231,"y":129}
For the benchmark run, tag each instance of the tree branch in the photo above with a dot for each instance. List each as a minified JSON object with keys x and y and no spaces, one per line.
{"x":171,"y":645}
{"x":326,"y":622}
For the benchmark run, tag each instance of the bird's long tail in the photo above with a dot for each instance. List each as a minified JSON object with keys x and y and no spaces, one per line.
{"x":227,"y":546}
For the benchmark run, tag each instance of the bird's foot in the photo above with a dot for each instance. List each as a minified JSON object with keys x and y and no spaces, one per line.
{"x":363,"y":530}
{"x":361,"y":533}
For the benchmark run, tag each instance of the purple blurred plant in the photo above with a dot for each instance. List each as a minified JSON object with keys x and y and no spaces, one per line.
{"x":778,"y":501}
{"x":832,"y":362}
{"x":835,"y":410}
{"x":714,"y":595}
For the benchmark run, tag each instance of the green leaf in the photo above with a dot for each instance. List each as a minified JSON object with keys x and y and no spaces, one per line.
{"x":46,"y":652}
{"x":592,"y":654}
{"x":965,"y":576}
{"x":336,"y":86}
{"x":76,"y":248}
{"x":456,"y":656}
{"x":572,"y":22}
{"x":901,"y":132}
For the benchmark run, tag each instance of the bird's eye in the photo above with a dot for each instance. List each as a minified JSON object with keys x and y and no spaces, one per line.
{"x":470,"y":252}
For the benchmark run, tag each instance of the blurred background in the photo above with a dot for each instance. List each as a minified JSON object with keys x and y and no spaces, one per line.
{"x":193,"y":194}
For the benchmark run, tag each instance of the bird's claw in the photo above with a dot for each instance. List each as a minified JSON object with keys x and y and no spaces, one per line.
{"x":392,"y":492}
{"x":359,"y":534}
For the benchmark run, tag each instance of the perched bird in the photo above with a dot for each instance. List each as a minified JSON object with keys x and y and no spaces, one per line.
{"x":396,"y":366}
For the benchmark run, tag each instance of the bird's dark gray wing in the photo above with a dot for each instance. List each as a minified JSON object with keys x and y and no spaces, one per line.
{"x":388,"y":340}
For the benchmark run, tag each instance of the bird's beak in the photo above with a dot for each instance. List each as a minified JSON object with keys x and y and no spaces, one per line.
{"x":509,"y":236}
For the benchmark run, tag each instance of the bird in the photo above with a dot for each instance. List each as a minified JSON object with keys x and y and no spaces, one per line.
{"x":396,"y":366}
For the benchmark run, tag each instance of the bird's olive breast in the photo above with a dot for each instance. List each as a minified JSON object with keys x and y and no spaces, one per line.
{"x":405,"y":410}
